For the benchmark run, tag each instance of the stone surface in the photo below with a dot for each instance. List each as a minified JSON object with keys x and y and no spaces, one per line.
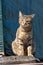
{"x":24,"y":64}
{"x":10,"y":60}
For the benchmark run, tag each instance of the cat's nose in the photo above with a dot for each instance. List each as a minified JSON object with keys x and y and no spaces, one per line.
{"x":27,"y":21}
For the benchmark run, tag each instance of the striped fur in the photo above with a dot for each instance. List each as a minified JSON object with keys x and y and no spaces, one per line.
{"x":22,"y":45}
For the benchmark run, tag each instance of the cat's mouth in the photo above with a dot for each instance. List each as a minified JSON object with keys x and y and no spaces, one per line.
{"x":27,"y":25}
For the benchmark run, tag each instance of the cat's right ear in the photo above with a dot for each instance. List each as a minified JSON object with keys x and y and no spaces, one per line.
{"x":33,"y":15}
{"x":20,"y":14}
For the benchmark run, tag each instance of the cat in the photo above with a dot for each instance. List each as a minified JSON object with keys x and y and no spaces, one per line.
{"x":23,"y":45}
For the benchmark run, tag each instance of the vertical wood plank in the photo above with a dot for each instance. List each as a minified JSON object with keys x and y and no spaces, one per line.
{"x":1,"y":31}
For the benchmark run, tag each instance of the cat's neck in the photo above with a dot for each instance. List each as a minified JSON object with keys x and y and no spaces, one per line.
{"x":25,"y":29}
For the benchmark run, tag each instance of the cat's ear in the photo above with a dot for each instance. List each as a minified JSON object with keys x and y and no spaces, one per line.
{"x":20,"y":13}
{"x":32,"y":15}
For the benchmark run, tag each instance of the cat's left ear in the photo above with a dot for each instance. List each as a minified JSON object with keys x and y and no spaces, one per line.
{"x":20,"y":13}
{"x":32,"y":15}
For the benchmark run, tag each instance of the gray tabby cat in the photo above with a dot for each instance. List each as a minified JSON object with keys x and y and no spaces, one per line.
{"x":23,"y":45}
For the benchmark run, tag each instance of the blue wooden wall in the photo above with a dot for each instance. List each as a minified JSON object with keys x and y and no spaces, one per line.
{"x":37,"y":7}
{"x":1,"y":31}
{"x":11,"y":10}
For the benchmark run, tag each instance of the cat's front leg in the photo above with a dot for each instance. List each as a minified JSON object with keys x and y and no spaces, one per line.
{"x":29,"y":50}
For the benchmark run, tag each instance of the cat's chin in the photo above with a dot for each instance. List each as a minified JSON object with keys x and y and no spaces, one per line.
{"x":26,"y":26}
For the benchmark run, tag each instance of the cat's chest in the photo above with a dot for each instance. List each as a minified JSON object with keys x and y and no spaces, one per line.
{"x":23,"y":34}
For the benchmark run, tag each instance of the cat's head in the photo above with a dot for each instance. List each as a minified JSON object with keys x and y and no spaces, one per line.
{"x":25,"y":20}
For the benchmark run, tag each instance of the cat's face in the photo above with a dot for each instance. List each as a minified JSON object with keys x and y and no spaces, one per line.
{"x":25,"y":20}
